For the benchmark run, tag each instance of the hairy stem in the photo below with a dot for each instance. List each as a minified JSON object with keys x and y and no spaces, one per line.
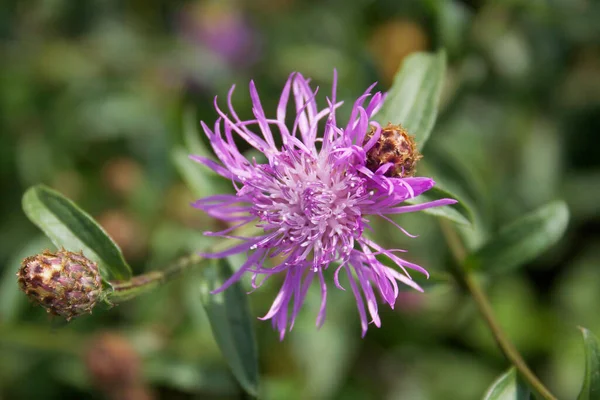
{"x":486,"y":311}
{"x":125,"y":290}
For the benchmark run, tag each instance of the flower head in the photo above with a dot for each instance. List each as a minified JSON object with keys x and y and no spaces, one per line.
{"x":65,"y":283}
{"x":313,"y":200}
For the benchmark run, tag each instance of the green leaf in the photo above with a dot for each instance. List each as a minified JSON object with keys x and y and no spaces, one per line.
{"x":191,"y":135}
{"x":199,"y":179}
{"x":591,"y":382}
{"x":189,"y":376}
{"x":457,"y":212}
{"x":508,"y":387}
{"x":70,"y":227}
{"x":522,"y":240}
{"x":334,"y":344}
{"x":191,"y":173}
{"x":414,"y":97}
{"x":231,"y":323}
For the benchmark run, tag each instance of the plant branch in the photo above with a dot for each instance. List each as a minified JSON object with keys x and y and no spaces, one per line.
{"x":125,"y":290}
{"x":485,"y":309}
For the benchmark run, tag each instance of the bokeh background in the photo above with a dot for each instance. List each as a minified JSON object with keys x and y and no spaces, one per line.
{"x":92,"y":95}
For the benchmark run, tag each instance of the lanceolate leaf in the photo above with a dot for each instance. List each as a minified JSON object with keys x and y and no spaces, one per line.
{"x":591,"y":381}
{"x":231,"y":323}
{"x":70,"y":227}
{"x":457,"y":212}
{"x":522,"y":240}
{"x":191,"y":136}
{"x":192,"y":173}
{"x":508,"y":387}
{"x":199,"y":179}
{"x":414,"y":97}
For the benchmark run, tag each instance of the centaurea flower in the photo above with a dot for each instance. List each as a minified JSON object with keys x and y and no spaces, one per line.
{"x":312,"y":199}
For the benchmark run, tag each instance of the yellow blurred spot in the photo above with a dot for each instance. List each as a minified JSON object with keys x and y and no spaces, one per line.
{"x":392,"y":41}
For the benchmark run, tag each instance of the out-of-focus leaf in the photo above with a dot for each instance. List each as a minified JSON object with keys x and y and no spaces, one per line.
{"x":198,"y":177}
{"x":71,"y":371}
{"x":508,"y":387}
{"x":591,"y":381}
{"x":192,"y":173}
{"x":457,"y":212}
{"x":415,"y":94}
{"x":582,"y":191}
{"x":452,"y":22}
{"x":11,"y":298}
{"x":231,"y":323}
{"x":70,"y":227}
{"x":436,"y":278}
{"x":190,"y":376}
{"x":334,"y":344}
{"x":191,"y":135}
{"x":522,"y":240}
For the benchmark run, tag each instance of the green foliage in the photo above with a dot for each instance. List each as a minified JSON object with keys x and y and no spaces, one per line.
{"x":88,"y":86}
{"x":191,"y":136}
{"x":334,"y":344}
{"x":522,"y":240}
{"x":414,"y":97}
{"x":70,"y":227}
{"x":591,"y":381}
{"x":508,"y":387}
{"x":200,"y":179}
{"x":457,"y":212}
{"x":192,"y":173}
{"x":231,"y":323}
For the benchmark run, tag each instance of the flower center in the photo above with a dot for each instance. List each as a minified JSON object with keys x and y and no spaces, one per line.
{"x":309,"y":208}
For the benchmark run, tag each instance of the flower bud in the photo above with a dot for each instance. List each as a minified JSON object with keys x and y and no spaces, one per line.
{"x":394,"y":146}
{"x":65,"y":283}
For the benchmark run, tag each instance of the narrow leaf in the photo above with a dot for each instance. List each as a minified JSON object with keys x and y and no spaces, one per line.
{"x":191,"y":135}
{"x":201,"y":181}
{"x":522,"y":240}
{"x":414,"y":97}
{"x":508,"y":387}
{"x":457,"y":212}
{"x":191,"y":173}
{"x":231,"y":323}
{"x":591,"y":381}
{"x":70,"y":227}
{"x":333,"y":344}
{"x":189,"y":376}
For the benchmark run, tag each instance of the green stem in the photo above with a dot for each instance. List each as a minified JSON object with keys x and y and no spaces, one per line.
{"x":486,"y":311}
{"x":125,"y":290}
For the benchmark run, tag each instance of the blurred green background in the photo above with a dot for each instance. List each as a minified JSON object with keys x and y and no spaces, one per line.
{"x":91,"y":101}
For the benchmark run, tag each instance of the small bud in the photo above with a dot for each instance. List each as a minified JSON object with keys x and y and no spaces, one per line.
{"x":65,"y":283}
{"x":394,"y":146}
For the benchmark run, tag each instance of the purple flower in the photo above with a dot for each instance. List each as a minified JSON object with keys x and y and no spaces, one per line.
{"x":313,"y":201}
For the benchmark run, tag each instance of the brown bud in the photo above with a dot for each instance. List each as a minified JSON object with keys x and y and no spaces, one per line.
{"x":394,"y":146}
{"x":65,"y":283}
